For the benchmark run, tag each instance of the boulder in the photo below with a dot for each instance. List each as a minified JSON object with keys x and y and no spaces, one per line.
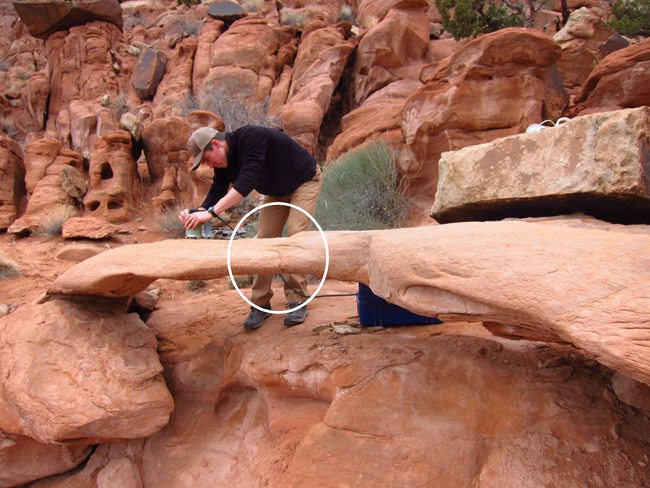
{"x":89,"y":83}
{"x":148,"y":73}
{"x":23,"y":459}
{"x":227,"y":12}
{"x":76,"y":371}
{"x":87,"y":228}
{"x":582,"y":40}
{"x":601,"y":170}
{"x":391,"y":50}
{"x":44,"y":17}
{"x":618,"y":81}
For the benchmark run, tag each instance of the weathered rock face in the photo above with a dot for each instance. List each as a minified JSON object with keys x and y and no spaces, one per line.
{"x":321,"y":59}
{"x":46,"y":17}
{"x":391,"y":50}
{"x":171,"y":98}
{"x":242,"y":67}
{"x":23,"y":460}
{"x":112,"y":189}
{"x":56,"y":182}
{"x":493,"y":87}
{"x":618,"y":81}
{"x":89,"y":66}
{"x":165,"y":147}
{"x":378,"y":117}
{"x":351,"y":410}
{"x":601,"y":170}
{"x":12,"y":183}
{"x":75,"y":371}
{"x":583,"y":40}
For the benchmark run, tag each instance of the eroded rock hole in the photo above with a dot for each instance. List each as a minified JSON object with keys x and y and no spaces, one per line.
{"x":115,"y":204}
{"x":107,"y":171}
{"x":94,"y":205}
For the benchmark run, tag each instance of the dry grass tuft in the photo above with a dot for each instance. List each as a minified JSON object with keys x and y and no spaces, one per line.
{"x":8,"y":268}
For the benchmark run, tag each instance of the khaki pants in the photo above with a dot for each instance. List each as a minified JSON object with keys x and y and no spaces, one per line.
{"x":271,"y":224}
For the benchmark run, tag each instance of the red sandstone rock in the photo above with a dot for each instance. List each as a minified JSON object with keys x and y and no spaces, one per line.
{"x":46,"y":161}
{"x":46,"y":17}
{"x":148,"y":73}
{"x":12,"y":183}
{"x":618,"y":81}
{"x":493,"y":87}
{"x":113,"y":186}
{"x":582,"y":40}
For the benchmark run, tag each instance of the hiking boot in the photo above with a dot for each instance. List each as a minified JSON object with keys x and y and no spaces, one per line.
{"x":256,"y":317}
{"x":297,"y":316}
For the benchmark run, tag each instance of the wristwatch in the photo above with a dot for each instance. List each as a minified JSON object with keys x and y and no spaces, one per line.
{"x":212,"y":212}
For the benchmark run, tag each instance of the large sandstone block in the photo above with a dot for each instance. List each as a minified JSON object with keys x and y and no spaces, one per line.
{"x":597,"y":164}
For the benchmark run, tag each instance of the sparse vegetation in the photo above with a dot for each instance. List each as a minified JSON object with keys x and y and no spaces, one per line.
{"x":231,"y":107}
{"x":631,"y":17}
{"x":189,"y":27}
{"x":251,"y":6}
{"x":53,"y":219}
{"x":120,"y":105}
{"x":471,"y":18}
{"x":370,"y":21}
{"x":293,"y":17}
{"x":4,"y":65}
{"x":242,"y":281}
{"x":361,"y":191}
{"x":196,"y":285}
{"x":167,"y":222}
{"x":8,"y":268}
{"x":347,"y":14}
{"x":8,"y":126}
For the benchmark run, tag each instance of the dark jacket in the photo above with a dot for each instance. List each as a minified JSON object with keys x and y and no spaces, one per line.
{"x":262,"y":159}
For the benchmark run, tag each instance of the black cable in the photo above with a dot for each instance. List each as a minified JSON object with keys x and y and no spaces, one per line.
{"x":299,"y":293}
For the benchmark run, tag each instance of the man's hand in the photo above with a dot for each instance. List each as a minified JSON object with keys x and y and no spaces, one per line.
{"x":193,"y":219}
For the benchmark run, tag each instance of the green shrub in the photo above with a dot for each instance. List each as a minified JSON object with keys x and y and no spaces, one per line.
{"x":472,"y":18}
{"x":631,"y":17}
{"x":8,"y":268}
{"x":361,"y":191}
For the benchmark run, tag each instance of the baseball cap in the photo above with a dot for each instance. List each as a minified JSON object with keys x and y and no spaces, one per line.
{"x":198,"y":141}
